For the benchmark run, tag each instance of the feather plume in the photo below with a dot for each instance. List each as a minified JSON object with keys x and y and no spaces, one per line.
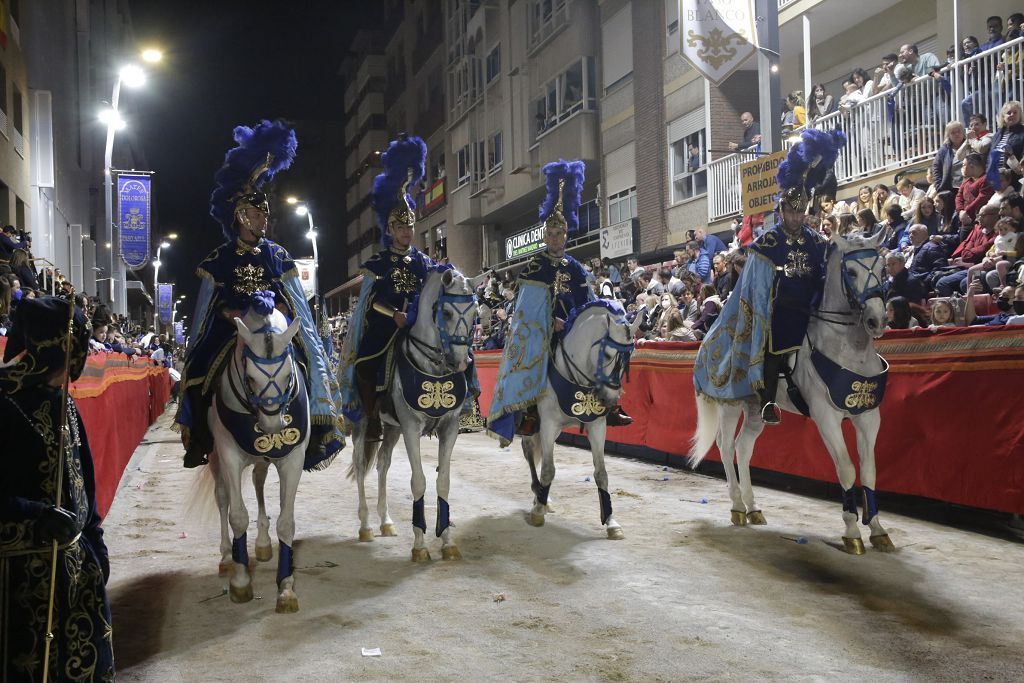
{"x":810,"y":160}
{"x":403,"y":155}
{"x":253,"y":145}
{"x":574,"y":174}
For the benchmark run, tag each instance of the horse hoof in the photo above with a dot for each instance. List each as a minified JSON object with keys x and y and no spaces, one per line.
{"x":287,"y":602}
{"x":420,"y":555}
{"x":548,"y":508}
{"x":756,"y":517}
{"x":264,"y":553}
{"x":388,"y":530}
{"x":883,"y":543}
{"x":241,"y":593}
{"x":224,"y":568}
{"x":738,"y":518}
{"x":450,"y":552}
{"x":854,"y":546}
{"x":535,"y":519}
{"x":366,"y":535}
{"x":616,"y":533}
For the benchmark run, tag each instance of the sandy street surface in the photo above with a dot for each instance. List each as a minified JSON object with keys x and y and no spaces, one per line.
{"x":684,"y":596}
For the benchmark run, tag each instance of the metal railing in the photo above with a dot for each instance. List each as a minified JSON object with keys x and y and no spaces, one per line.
{"x":899,"y":127}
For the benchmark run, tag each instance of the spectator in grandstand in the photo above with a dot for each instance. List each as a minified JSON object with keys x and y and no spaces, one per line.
{"x":1012,"y":206}
{"x":829,"y":225}
{"x":910,"y":197}
{"x":927,"y":216}
{"x":669,"y":282}
{"x":794,"y":116}
{"x":923,"y":256}
{"x":709,"y":244}
{"x":605,"y":289}
{"x":698,"y":262}
{"x":899,"y":283}
{"x":864,"y":199}
{"x":895,"y":227}
{"x":1001,"y":254}
{"x":941,"y":315}
{"x":979,"y":138}
{"x":710,"y":307}
{"x":994,"y":25}
{"x":866,"y":221}
{"x":1004,"y":300}
{"x":920,"y":64}
{"x":22,"y":267}
{"x":898,"y":313}
{"x":885,"y":79}
{"x":1013,"y":26}
{"x":649,"y":285}
{"x":633,"y":269}
{"x":969,"y":48}
{"x":751,"y":134}
{"x":947,"y":168}
{"x":671,"y":328}
{"x":98,"y":340}
{"x":1007,"y":187}
{"x":975,"y":190}
{"x":820,"y":103}
{"x":862,"y":80}
{"x":882,"y":199}
{"x":967,"y":251}
{"x":722,"y":275}
{"x":851,"y":96}
{"x":1008,"y":142}
{"x":688,"y":306}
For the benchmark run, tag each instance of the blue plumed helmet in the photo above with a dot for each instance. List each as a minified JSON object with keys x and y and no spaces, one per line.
{"x":403,"y":167}
{"x":262,"y":152}
{"x":806,"y":174}
{"x":564,"y":184}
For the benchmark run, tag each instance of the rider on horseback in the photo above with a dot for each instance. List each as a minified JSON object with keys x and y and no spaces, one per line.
{"x":245,"y":264}
{"x":766,"y":317}
{"x":392,"y":280}
{"x":563,"y":283}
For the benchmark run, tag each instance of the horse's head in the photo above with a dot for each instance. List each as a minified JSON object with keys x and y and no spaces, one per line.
{"x":858,"y":265}
{"x":268,"y":365}
{"x":605,"y":340}
{"x":452,"y":297}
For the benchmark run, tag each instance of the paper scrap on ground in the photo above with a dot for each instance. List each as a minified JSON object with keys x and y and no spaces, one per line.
{"x":371,"y":652}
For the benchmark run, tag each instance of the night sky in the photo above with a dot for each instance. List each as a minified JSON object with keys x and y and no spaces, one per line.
{"x":228,"y":63}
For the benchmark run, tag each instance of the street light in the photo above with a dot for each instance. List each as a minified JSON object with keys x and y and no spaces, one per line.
{"x":152,"y":55}
{"x":303,"y":210}
{"x":156,"y":274}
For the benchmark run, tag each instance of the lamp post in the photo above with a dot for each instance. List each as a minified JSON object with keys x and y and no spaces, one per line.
{"x":133,"y":76}
{"x":156,"y":293}
{"x":303,"y":210}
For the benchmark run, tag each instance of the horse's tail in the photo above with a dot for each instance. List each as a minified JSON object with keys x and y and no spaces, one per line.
{"x":201,"y":505}
{"x":362,"y":459}
{"x":708,"y":419}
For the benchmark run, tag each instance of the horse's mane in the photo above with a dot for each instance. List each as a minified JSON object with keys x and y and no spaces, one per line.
{"x":457,"y":277}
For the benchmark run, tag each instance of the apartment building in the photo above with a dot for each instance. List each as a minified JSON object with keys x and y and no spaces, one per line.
{"x":521,"y":83}
{"x":15,"y":131}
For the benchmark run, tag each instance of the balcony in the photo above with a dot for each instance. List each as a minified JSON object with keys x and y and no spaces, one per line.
{"x":372,"y":141}
{"x":371,"y":67}
{"x":372,"y":103}
{"x":574,"y":137}
{"x":393,"y":88}
{"x":548,"y":18}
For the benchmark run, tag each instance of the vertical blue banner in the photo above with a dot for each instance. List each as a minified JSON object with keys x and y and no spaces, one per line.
{"x":179,"y":333}
{"x":133,"y":218}
{"x":165,"y":302}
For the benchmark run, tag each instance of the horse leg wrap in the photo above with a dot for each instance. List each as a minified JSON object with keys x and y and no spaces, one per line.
{"x":541,"y":492}
{"x":419,"y":520}
{"x":240,"y":550}
{"x":285,"y":566}
{"x":850,"y":500}
{"x":606,"y":505}
{"x":443,"y":522}
{"x":870,"y":506}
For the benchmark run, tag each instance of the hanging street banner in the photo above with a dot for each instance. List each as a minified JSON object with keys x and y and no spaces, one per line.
{"x":307,"y":276}
{"x":133,"y":218}
{"x":165,"y":302}
{"x":717,"y":36}
{"x":758,"y":183}
{"x":179,"y":333}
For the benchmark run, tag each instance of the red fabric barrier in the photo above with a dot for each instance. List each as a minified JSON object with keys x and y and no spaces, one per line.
{"x":118,"y":400}
{"x":950,"y":430}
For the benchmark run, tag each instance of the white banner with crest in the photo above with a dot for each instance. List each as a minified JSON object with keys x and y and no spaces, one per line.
{"x":717,"y":36}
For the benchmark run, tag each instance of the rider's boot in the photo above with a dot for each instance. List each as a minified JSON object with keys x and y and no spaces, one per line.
{"x":368,"y":397}
{"x":617,"y":417}
{"x":770,"y":413}
{"x":199,"y":442}
{"x":530,"y":422}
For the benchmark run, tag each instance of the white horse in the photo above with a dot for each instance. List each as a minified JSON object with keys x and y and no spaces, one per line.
{"x":261,"y":401}
{"x":584,"y":382}
{"x":426,"y":395}
{"x":841,"y":333}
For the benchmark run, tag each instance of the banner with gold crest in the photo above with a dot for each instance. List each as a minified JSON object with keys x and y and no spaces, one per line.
{"x":717,"y":36}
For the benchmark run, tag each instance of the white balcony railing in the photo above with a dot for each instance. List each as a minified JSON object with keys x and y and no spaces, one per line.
{"x":901,"y":126}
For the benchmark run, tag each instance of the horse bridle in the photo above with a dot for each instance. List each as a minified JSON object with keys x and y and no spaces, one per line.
{"x":462,"y":303}
{"x":265,"y":402}
{"x":602,"y":378}
{"x":857,"y":299}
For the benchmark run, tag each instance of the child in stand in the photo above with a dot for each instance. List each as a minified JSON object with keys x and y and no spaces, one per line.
{"x":942,"y":315}
{"x":1001,"y":254}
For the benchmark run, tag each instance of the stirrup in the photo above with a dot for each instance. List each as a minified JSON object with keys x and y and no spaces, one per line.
{"x":529,"y":425}
{"x":770,"y":414}
{"x":617,"y":418}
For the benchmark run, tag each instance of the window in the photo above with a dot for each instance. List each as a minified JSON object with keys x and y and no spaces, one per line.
{"x":688,"y":156}
{"x":617,"y":48}
{"x":479,"y":157}
{"x":463,"y":163}
{"x":494,"y":64}
{"x":570,"y":92}
{"x":622,"y":206}
{"x":494,"y":157}
{"x":546,"y":17}
{"x":672,"y":28}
